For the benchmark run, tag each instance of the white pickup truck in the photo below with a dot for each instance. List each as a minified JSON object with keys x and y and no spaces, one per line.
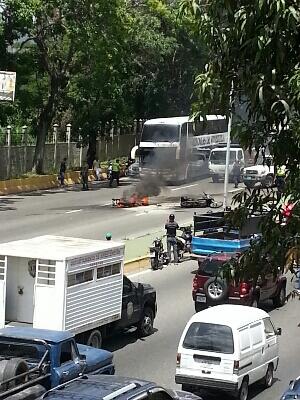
{"x":260,"y":174}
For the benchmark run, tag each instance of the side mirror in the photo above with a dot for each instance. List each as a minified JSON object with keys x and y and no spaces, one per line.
{"x":278,"y":331}
{"x":82,"y":357}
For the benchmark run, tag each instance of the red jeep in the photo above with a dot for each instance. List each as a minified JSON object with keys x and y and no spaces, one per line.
{"x":209,"y":289}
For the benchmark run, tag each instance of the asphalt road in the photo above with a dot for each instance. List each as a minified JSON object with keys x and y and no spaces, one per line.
{"x":154,"y":358}
{"x":89,"y":214}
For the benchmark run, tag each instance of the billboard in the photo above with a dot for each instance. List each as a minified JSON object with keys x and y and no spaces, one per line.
{"x":7,"y":85}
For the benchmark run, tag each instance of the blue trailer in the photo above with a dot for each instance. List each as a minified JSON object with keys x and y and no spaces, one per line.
{"x":212,"y":234}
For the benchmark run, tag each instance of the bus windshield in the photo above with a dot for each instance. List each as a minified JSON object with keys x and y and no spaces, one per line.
{"x":164,"y":157}
{"x":160,"y":133}
{"x":219,"y":157}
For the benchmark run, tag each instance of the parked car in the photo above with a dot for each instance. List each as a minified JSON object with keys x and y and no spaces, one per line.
{"x":119,"y":388}
{"x":134,"y":170}
{"x":227,"y":348}
{"x":293,"y":392}
{"x":262,"y":173}
{"x":33,"y":360}
{"x":210,"y":289}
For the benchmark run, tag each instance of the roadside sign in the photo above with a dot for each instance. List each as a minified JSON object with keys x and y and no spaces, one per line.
{"x":7,"y":85}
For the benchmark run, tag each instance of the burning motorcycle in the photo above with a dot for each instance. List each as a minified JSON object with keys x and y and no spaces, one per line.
{"x":158,"y":256}
{"x":205,"y":200}
{"x":184,"y":242}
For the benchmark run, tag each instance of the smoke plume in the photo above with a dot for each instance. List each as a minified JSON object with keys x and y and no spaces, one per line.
{"x":148,"y":186}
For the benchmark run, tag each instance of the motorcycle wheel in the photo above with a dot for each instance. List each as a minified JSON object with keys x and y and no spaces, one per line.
{"x":154,"y":264}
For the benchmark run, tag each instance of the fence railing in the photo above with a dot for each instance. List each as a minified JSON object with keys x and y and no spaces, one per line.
{"x":17,"y":146}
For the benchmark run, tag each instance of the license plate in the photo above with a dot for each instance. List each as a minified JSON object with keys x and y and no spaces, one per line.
{"x":152,"y":255}
{"x":201,"y":298}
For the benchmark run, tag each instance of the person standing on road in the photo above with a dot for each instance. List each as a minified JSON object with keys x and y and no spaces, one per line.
{"x":236,"y":172}
{"x":97,"y":169}
{"x":85,"y":176}
{"x":115,"y":175}
{"x":62,"y":171}
{"x":171,"y":228}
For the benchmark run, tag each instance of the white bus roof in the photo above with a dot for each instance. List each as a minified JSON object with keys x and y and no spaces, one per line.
{"x":50,"y":247}
{"x":235,"y":316}
{"x":180,"y":120}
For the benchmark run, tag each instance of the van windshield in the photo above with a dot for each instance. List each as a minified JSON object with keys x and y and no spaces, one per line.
{"x":219,"y":157}
{"x":209,"y":337}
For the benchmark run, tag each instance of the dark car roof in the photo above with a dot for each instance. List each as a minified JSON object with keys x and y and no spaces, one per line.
{"x":105,"y":387}
{"x":32,"y":333}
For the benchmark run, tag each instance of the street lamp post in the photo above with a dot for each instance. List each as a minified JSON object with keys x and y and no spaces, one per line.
{"x":226,"y":179}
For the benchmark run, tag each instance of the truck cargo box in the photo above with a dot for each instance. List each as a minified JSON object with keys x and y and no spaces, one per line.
{"x":61,"y":283}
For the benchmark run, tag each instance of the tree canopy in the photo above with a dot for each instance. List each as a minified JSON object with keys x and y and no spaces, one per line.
{"x":86,"y":62}
{"x":255,"y":45}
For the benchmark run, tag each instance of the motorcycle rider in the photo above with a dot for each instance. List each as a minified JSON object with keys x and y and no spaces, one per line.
{"x":171,"y":228}
{"x":280,"y":180}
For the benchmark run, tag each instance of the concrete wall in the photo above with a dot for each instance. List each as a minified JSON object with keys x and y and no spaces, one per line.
{"x":21,"y":158}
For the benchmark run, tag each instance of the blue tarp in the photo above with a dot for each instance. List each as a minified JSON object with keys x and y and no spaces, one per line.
{"x":205,"y":246}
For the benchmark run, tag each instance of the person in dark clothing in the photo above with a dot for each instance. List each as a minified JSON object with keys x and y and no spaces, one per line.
{"x":236,"y":172}
{"x":62,"y":171}
{"x":115,"y":175}
{"x":85,"y":176}
{"x":171,"y":228}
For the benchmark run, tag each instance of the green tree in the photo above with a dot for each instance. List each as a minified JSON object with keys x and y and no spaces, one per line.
{"x":56,"y":33}
{"x":254,"y":44}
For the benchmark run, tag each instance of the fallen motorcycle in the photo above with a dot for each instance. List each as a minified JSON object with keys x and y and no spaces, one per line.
{"x":203,"y":201}
{"x":158,"y":256}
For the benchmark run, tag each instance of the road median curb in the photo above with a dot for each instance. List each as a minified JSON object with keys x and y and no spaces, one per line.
{"x":39,"y":182}
{"x":136,"y":264}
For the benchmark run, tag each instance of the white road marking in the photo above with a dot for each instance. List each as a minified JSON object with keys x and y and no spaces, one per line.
{"x":141,"y":213}
{"x":72,"y":211}
{"x":184,"y":187}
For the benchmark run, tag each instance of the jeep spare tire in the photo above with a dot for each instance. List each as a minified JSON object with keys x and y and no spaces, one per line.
{"x":216,"y":290}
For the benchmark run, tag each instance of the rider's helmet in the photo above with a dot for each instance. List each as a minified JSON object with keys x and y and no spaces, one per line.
{"x":108,"y":236}
{"x":171,"y":217}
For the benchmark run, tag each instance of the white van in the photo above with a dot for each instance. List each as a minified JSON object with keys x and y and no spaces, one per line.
{"x":227,"y":347}
{"x":217,"y":161}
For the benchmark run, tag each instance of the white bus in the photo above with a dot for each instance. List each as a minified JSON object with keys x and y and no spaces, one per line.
{"x":177,"y":148}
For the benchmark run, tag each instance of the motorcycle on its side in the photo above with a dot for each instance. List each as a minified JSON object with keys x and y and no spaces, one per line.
{"x":158,"y":256}
{"x":184,"y":242}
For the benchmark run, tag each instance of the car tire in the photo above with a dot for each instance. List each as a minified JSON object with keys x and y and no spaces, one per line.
{"x":216,"y":290}
{"x":243,"y":391}
{"x":199,"y":306}
{"x":269,"y":378}
{"x":145,"y":326}
{"x":280,"y":299}
{"x":95,"y":339}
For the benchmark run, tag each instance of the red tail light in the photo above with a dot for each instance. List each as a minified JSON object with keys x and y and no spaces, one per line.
{"x":178,"y":359}
{"x":236,"y":366}
{"x":244,"y":288}
{"x":195,"y":283}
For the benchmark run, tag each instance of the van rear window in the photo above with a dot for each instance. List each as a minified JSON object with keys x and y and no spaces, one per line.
{"x":209,"y":337}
